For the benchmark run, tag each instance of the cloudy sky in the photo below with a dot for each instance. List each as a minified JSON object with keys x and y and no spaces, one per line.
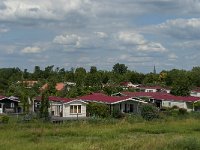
{"x":84,"y":33}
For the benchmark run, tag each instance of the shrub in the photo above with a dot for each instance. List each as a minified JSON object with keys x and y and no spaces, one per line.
{"x":118,"y":114}
{"x":182,"y":111}
{"x":149,"y":112}
{"x":4,"y":119}
{"x":98,"y":110}
{"x":175,"y":107}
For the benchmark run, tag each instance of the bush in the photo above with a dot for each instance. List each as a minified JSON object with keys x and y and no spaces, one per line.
{"x":149,"y":112}
{"x":182,"y":111}
{"x":118,"y":114}
{"x":98,"y":110}
{"x":4,"y":119}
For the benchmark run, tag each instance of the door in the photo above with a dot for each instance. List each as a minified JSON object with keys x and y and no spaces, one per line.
{"x":131,"y":108}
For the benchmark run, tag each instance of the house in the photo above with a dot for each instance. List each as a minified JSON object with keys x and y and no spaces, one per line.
{"x":195,"y":92}
{"x":124,"y":104}
{"x":126,"y":85}
{"x":154,"y":89}
{"x":9,"y":104}
{"x":60,"y":86}
{"x":73,"y":108}
{"x":166,"y":99}
{"x":28,"y":83}
{"x":63,"y":107}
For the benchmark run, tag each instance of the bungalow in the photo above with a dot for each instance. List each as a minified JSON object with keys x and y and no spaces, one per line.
{"x":9,"y":104}
{"x":195,"y":92}
{"x":167,"y":100}
{"x":73,"y":108}
{"x":127,"y":85}
{"x":63,"y":107}
{"x":124,"y":104}
{"x":154,"y":89}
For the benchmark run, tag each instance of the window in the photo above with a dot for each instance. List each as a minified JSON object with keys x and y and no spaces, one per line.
{"x":75,"y":109}
{"x":12,"y":105}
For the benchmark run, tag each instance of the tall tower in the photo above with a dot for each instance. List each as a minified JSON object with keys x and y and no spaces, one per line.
{"x":154,"y":69}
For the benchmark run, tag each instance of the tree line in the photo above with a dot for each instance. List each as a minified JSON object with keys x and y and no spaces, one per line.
{"x":181,"y":81}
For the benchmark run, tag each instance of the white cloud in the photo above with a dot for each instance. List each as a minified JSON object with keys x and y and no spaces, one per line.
{"x":101,"y":34}
{"x":140,"y":42}
{"x":33,"y":49}
{"x":136,"y":59}
{"x":3,"y":30}
{"x":131,"y":38}
{"x":71,"y":39}
{"x":152,"y":47}
{"x":37,"y":9}
{"x":186,"y":29}
{"x":172,"y":56}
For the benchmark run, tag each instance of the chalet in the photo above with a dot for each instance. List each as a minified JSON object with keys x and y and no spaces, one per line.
{"x":9,"y":104}
{"x":154,"y":89}
{"x":166,"y":100}
{"x":124,"y":104}
{"x":28,"y":83}
{"x":63,"y":107}
{"x":195,"y":92}
{"x":127,"y":85}
{"x":60,"y":86}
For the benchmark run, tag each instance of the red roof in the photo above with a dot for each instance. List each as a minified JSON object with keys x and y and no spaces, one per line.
{"x":56,"y":99}
{"x":59,"y":86}
{"x":162,"y":96}
{"x":1,"y":97}
{"x":99,"y":97}
{"x":150,"y":87}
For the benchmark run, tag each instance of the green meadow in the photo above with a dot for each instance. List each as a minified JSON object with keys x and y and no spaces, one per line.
{"x":101,"y":134}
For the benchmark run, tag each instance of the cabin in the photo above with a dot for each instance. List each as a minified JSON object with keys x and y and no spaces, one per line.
{"x":161,"y":100}
{"x":124,"y":104}
{"x":154,"y":89}
{"x":9,"y":104}
{"x":63,"y":107}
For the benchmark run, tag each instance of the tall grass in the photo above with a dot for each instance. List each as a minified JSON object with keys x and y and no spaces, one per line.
{"x":112,"y":134}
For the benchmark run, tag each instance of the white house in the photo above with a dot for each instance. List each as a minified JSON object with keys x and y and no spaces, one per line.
{"x":125,"y":104}
{"x":74,"y":108}
{"x":167,"y":100}
{"x":195,"y":93}
{"x":64,"y":107}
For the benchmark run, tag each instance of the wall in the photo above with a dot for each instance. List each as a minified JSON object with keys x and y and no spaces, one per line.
{"x":66,"y":109}
{"x":174,"y":103}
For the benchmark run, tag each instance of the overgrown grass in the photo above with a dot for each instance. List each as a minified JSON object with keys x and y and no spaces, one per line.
{"x":126,"y":134}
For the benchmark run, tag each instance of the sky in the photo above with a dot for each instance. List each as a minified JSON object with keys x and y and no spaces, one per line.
{"x":101,"y":33}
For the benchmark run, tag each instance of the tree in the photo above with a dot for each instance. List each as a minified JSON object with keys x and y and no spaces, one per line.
{"x":80,"y":74}
{"x":181,"y":86}
{"x":120,"y":68}
{"x":93,"y":69}
{"x":44,"y":113}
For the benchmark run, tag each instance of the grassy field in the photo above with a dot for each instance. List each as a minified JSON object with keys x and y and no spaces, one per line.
{"x":104,"y":134}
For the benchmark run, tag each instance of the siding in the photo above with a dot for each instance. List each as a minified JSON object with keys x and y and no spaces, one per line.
{"x":174,"y":103}
{"x":66,"y":109}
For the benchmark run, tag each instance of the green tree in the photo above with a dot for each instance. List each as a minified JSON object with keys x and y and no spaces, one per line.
{"x":181,"y":86}
{"x":120,"y":68}
{"x":44,"y":113}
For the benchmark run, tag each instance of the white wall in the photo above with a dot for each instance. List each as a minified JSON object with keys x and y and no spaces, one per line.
{"x":56,"y":107}
{"x":174,"y":103}
{"x":66,"y":109}
{"x":150,"y":90}
{"x":195,"y":94}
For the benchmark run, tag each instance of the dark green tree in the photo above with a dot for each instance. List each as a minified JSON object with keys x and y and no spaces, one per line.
{"x":44,"y":113}
{"x":120,"y":68}
{"x":181,"y":86}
